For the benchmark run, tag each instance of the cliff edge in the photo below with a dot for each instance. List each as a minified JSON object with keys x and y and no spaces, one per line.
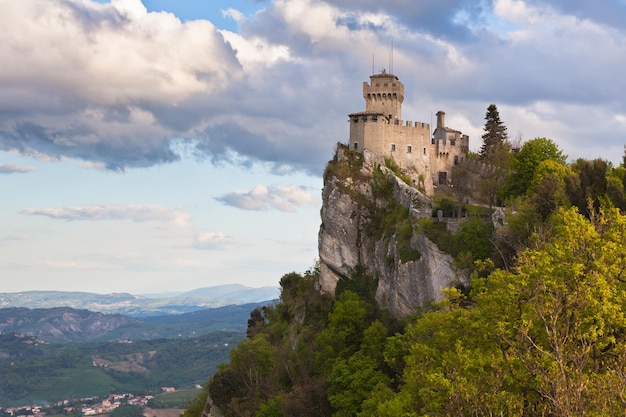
{"x":371,"y":223}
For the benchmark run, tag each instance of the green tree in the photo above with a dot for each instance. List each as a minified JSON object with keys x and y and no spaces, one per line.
{"x":351,"y":382}
{"x":493,"y":174}
{"x":343,"y":334}
{"x":127,"y":410}
{"x":590,"y":184}
{"x":546,"y":338}
{"x":454,"y":367}
{"x":461,"y":185}
{"x":495,"y":135}
{"x":474,"y":237}
{"x":495,"y":153}
{"x":560,"y":317}
{"x":547,"y":190}
{"x":526,"y":162}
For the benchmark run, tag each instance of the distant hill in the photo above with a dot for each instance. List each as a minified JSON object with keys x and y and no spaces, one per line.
{"x":142,"y":305}
{"x":65,"y":324}
{"x":234,"y":292}
{"x":34,"y":371}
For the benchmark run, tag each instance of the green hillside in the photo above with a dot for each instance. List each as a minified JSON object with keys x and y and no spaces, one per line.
{"x":35,"y":371}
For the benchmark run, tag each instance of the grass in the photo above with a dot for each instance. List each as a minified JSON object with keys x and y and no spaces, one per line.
{"x":76,"y":383}
{"x":178,"y":399}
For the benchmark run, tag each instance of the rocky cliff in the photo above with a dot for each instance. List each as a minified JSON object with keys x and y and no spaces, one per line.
{"x":370,"y":222}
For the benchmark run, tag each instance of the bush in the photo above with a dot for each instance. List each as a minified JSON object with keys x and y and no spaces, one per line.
{"x":438,"y":233}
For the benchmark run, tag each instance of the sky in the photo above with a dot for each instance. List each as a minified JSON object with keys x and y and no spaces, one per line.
{"x":170,"y":145}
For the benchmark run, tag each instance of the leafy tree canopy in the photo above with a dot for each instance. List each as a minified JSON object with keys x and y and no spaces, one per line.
{"x":127,"y":410}
{"x":527,"y":161}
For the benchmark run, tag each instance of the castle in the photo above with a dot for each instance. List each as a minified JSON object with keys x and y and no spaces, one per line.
{"x":380,"y":130}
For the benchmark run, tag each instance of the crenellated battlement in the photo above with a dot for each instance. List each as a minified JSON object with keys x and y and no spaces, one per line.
{"x":410,"y":123}
{"x":381,"y":118}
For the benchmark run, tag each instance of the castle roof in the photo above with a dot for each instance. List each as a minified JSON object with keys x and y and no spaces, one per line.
{"x":384,"y":74}
{"x":367,"y":113}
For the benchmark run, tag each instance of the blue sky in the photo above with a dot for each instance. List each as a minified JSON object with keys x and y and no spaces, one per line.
{"x":170,"y":145}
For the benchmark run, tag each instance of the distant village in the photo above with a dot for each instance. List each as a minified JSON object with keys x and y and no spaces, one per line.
{"x":90,"y":406}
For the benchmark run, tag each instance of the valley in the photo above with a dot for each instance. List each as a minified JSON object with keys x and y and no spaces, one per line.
{"x":63,"y":353}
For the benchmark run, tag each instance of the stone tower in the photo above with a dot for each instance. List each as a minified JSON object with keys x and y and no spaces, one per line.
{"x":384,"y":95}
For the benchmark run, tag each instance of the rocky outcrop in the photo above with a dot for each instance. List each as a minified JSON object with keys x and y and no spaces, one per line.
{"x":210,"y":409}
{"x":361,"y":229}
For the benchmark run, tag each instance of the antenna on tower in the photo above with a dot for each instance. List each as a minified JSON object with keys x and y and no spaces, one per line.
{"x":391,"y":59}
{"x":372,"y":63}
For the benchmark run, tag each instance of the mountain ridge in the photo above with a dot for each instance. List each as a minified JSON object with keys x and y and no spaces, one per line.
{"x":68,"y":325}
{"x":142,"y":305}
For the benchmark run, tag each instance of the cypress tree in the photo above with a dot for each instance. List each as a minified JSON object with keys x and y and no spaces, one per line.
{"x":495,"y":132}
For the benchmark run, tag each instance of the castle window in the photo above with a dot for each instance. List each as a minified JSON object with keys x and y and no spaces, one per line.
{"x":356,"y":120}
{"x":424,"y":151}
{"x":432,"y":141}
{"x":456,"y":159}
{"x":393,"y":147}
{"x":452,"y":142}
{"x":374,"y":119}
{"x":356,"y":145}
{"x":408,"y":149}
{"x":364,"y":119}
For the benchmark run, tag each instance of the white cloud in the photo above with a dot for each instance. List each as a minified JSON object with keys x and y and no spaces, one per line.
{"x":15,"y":168}
{"x":234,"y":14}
{"x":213,"y":241}
{"x":116,"y":86}
{"x":101,"y":82}
{"x":282,"y":198}
{"x":517,"y":11}
{"x":97,"y":212}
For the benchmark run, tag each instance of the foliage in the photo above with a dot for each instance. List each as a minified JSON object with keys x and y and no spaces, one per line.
{"x":590,"y":184}
{"x":181,"y":398}
{"x":547,"y":191}
{"x":527,"y":161}
{"x":474,"y":237}
{"x":438,"y":233}
{"x":392,"y":165}
{"x":495,"y":132}
{"x":493,"y":175}
{"x":446,"y":207}
{"x":360,"y":283}
{"x":127,"y":410}
{"x":541,"y":330}
{"x":347,"y":170}
{"x":382,"y":188}
{"x":403,"y":243}
{"x":461,"y":185}
{"x":545,"y":339}
{"x":274,"y":369}
{"x":34,"y":371}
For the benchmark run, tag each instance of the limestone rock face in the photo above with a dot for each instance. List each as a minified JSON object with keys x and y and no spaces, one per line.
{"x":350,"y":235}
{"x":210,"y":409}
